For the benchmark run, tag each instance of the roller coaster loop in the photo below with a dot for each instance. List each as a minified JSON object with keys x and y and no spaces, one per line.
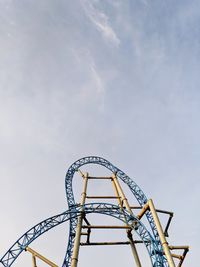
{"x":149,"y":237}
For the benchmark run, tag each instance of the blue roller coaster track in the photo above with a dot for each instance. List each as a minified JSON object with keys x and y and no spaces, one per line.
{"x":149,"y":237}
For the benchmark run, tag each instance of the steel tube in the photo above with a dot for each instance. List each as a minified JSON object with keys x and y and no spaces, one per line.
{"x":104,"y":243}
{"x":124,"y":201}
{"x":36,"y":254}
{"x":110,"y":243}
{"x":183,"y":256}
{"x":109,"y":197}
{"x":179,"y":247}
{"x":34,"y":261}
{"x":76,"y":247}
{"x":161,"y":234}
{"x":142,"y":211}
{"x":106,"y":227}
{"x":158,"y":210}
{"x":100,"y":178}
{"x":177,"y":256}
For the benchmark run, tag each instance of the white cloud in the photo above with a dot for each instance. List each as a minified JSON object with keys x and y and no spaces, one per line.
{"x":93,"y":86}
{"x":101,"y":22}
{"x":97,"y":79}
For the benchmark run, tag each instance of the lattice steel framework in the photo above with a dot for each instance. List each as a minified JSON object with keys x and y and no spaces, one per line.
{"x":152,"y":237}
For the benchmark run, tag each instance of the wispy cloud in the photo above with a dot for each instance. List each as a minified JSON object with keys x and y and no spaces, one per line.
{"x":97,"y":78}
{"x":101,"y":22}
{"x":94,"y":86}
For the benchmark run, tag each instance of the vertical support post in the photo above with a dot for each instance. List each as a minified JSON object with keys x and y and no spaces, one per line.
{"x":117,"y":194}
{"x":34,"y":261}
{"x":75,"y":253}
{"x":161,"y":234}
{"x":123,"y":201}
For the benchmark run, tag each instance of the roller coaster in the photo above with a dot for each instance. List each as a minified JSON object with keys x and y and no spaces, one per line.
{"x":141,"y":220}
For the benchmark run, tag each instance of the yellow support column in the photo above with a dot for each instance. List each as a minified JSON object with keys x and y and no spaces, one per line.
{"x":75,"y":253}
{"x":161,"y":234}
{"x":123,"y":201}
{"x":34,"y":261}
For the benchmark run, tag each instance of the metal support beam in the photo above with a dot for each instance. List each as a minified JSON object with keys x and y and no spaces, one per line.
{"x":179,"y":247}
{"x":142,"y":211}
{"x":99,"y":178}
{"x":104,"y":243}
{"x":88,"y":230}
{"x":39,"y":256}
{"x":171,"y":214}
{"x":176,"y":256}
{"x":161,"y":234}
{"x":75,"y":252}
{"x":101,"y":197}
{"x":181,"y":257}
{"x":124,"y":201}
{"x":110,"y":243}
{"x":106,"y":227}
{"x":34,"y":261}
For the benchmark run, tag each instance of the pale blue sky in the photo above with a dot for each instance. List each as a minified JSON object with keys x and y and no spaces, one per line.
{"x":119,"y":79}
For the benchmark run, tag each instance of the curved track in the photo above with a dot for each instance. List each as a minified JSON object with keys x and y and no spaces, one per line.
{"x":150,"y":240}
{"x":101,"y":208}
{"x":135,"y":189}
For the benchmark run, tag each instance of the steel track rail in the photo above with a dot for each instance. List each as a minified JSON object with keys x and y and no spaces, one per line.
{"x":149,"y":237}
{"x":134,"y":188}
{"x":101,"y":208}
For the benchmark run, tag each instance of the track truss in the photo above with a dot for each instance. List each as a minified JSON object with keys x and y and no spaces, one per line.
{"x":151,"y":237}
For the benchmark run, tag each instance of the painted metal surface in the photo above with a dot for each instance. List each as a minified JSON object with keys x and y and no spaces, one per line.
{"x":101,"y":208}
{"x":134,"y":188}
{"x":149,"y":237}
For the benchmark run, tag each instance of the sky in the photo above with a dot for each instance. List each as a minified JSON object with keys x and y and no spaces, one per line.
{"x":118,"y":79}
